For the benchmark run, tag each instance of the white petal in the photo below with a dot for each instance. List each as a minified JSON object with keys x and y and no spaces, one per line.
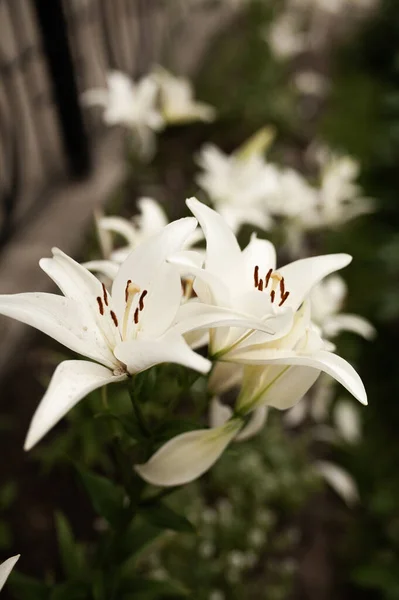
{"x":187,"y":456}
{"x":296,"y":415}
{"x":348,"y":322}
{"x":224,"y":376}
{"x":219,"y":413}
{"x":104,"y":267}
{"x":152,"y":217}
{"x":301,"y":275}
{"x":62,"y":319}
{"x":196,"y":315}
{"x":95,"y":97}
{"x":341,"y":482}
{"x":282,"y":388}
{"x":143,"y":263}
{"x":347,"y":421}
{"x":255,"y":424}
{"x":5,"y":569}
{"x":121,"y":226}
{"x":72,"y":381}
{"x":223,"y":253}
{"x":141,"y":354}
{"x":260,"y":253}
{"x":330,"y":363}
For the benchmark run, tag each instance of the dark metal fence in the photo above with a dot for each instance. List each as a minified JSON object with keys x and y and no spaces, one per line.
{"x":50,"y":52}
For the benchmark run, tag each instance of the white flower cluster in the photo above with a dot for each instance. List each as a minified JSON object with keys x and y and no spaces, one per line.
{"x":167,"y":299}
{"x":148,"y":105}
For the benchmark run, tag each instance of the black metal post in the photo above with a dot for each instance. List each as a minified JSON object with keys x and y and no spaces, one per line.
{"x":55,"y":41}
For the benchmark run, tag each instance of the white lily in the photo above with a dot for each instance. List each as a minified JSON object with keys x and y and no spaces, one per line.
{"x":339,"y":480}
{"x":151,"y":220}
{"x":238,"y":185}
{"x":125,"y":332}
{"x":177,"y":99}
{"x":247,"y":281}
{"x":327,"y":299}
{"x":5,"y":569}
{"x":130,"y":104}
{"x":340,"y":197}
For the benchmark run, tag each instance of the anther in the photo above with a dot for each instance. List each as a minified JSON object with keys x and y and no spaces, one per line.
{"x":136,"y":316}
{"x":284,"y":298}
{"x":256,"y":276}
{"x":269,"y":274}
{"x":129,"y":281}
{"x":260,"y":285}
{"x":105,"y":295}
{"x":272,"y":295}
{"x":282,"y":287}
{"x":141,"y":300}
{"x":115,"y":320}
{"x":100,"y":305}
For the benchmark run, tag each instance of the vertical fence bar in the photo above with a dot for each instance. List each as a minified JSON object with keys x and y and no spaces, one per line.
{"x":55,"y":42}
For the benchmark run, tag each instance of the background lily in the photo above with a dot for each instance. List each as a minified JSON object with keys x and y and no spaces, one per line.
{"x":239,"y":184}
{"x":327,"y":299}
{"x":177,"y":99}
{"x":124,"y":332}
{"x":5,"y":569}
{"x":133,"y":105}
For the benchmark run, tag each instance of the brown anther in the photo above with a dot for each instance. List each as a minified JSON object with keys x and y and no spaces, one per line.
{"x":256,"y":276}
{"x":260,"y":285}
{"x":129,"y":281}
{"x":272,"y":295}
{"x":282,"y":287}
{"x":100,"y":305}
{"x":136,"y":316}
{"x":141,"y":300}
{"x":115,"y":320}
{"x":105,"y":294}
{"x":269,"y":274}
{"x":284,"y":298}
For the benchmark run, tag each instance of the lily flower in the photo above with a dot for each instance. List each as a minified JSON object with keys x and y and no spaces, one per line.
{"x":177,"y":99}
{"x":239,"y":184}
{"x":248,"y":281}
{"x":327,"y":299}
{"x":5,"y":569}
{"x":130,"y":104}
{"x":124,"y":332}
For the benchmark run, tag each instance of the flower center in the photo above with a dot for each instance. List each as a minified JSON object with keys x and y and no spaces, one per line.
{"x":131,"y":292}
{"x":277,"y":285}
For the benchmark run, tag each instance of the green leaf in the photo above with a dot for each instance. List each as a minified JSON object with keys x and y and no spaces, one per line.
{"x":106,"y":497}
{"x":164,"y":517}
{"x":139,"y":538}
{"x":27,"y":588}
{"x":149,"y":589}
{"x":71,"y":553}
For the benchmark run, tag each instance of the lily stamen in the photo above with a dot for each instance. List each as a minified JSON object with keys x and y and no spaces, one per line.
{"x":256,"y":276}
{"x":105,"y":294}
{"x":130,"y":292}
{"x":269,"y":274}
{"x":100,"y":305}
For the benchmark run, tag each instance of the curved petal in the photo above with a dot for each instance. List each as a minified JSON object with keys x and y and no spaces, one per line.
{"x":340,"y":481}
{"x":301,"y":275}
{"x":187,"y":456}
{"x":347,"y":421}
{"x":72,"y":381}
{"x":152,"y":216}
{"x":196,"y":315}
{"x":143,"y":263}
{"x":62,"y":319}
{"x":282,"y":388}
{"x":329,"y":363}
{"x":104,"y":267}
{"x":223,"y":253}
{"x":95,"y":97}
{"x":255,"y":424}
{"x":347,"y":322}
{"x":5,"y":569}
{"x":224,"y":376}
{"x":121,"y":226}
{"x":139,"y":355}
